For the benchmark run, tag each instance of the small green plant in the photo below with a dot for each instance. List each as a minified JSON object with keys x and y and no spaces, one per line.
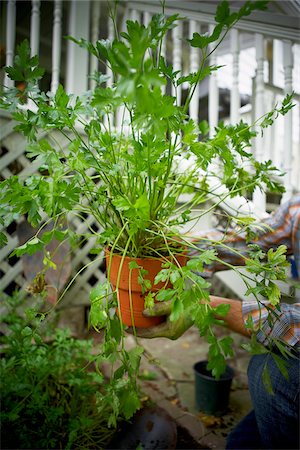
{"x":53,"y":393}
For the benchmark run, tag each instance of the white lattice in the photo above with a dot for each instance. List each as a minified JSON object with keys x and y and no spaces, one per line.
{"x":13,"y":161}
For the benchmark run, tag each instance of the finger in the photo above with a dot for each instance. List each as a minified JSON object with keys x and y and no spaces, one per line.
{"x":153,"y":332}
{"x":159,"y":309}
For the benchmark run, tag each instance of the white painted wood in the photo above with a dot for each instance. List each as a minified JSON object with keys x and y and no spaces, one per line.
{"x":177,"y":58}
{"x":163,"y":52}
{"x":10,"y":38}
{"x":288,"y":121}
{"x":297,"y":152}
{"x":274,"y":26}
{"x":213,"y":93}
{"x":95,"y":19}
{"x":135,"y":15}
{"x":146,"y":18}
{"x":35,"y":27}
{"x":109,"y":119}
{"x":269,"y":133}
{"x":110,"y":37}
{"x":259,"y":198}
{"x":56,"y":44}
{"x":78,"y":58}
{"x":235,"y":93}
{"x":194,"y":27}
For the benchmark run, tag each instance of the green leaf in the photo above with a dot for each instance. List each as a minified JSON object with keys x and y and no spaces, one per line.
{"x":25,"y":67}
{"x":133,"y":265}
{"x":163,"y":275}
{"x":142,"y":207}
{"x":3,"y":239}
{"x":195,"y":264}
{"x":116,"y":331}
{"x":61,"y":97}
{"x":130,"y":403}
{"x":30,"y":247}
{"x":204,"y":127}
{"x":165,"y":295}
{"x":98,"y":292}
{"x":255,"y":347}
{"x":226,"y":345}
{"x":267,"y":380}
{"x":282,"y":365}
{"x":177,"y":310}
{"x":27,"y":331}
{"x":274,"y":293}
{"x":149,"y":300}
{"x":222,"y":310}
{"x":122,"y":204}
{"x":223,"y":12}
{"x":134,"y":356}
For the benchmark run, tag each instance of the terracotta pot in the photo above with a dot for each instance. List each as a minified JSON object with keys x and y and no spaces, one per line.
{"x":153,"y":266}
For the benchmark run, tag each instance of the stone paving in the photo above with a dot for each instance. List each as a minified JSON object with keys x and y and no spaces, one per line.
{"x":170,"y":363}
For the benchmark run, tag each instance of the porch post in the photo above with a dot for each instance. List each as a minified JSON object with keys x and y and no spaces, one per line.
{"x":194,"y":27}
{"x":110,"y":120}
{"x":10,"y":38}
{"x":177,"y":58}
{"x":96,"y":8}
{"x":78,"y":58}
{"x":56,"y":44}
{"x":35,"y":27}
{"x":288,"y":121}
{"x":259,"y":198}
{"x":235,"y":94}
{"x":213,"y":94}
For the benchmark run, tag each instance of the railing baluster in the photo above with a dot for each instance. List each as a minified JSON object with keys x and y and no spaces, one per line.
{"x":109,"y":120}
{"x":135,"y":15}
{"x":146,"y":18}
{"x":163,"y":53}
{"x":35,"y":27}
{"x":110,"y":37}
{"x":259,"y":198}
{"x":77,"y":58}
{"x":194,"y":67}
{"x":96,"y":7}
{"x":10,"y":38}
{"x":56,"y":45}
{"x":235,"y":93}
{"x":177,"y":55}
{"x":213,"y":94}
{"x":288,"y":120}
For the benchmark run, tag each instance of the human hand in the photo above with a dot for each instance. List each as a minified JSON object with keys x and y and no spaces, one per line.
{"x":169,"y":329}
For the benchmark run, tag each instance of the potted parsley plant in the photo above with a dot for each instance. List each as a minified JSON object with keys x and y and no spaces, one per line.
{"x":130,"y":178}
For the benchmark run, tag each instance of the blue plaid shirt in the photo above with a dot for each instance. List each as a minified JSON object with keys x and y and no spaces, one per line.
{"x":280,"y":228}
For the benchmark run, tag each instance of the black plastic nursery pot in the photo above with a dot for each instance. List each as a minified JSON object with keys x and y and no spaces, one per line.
{"x":212,"y":395}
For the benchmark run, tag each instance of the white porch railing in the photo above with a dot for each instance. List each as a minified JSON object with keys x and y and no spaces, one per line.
{"x":276,"y":50}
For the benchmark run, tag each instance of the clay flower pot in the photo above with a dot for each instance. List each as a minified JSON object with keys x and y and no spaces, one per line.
{"x":130,"y":296}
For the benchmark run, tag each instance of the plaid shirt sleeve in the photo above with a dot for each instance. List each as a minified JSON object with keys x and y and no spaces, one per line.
{"x":285,"y":325}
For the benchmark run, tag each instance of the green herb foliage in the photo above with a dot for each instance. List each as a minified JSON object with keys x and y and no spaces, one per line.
{"x":53,"y":392}
{"x":131,"y":179}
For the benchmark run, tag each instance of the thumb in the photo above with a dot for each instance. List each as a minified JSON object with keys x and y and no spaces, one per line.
{"x":159,"y":309}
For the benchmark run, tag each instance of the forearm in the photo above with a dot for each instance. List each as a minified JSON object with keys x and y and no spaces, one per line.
{"x":234,"y":318}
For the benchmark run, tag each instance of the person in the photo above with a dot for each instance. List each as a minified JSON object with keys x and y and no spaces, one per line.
{"x":274,"y":421}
